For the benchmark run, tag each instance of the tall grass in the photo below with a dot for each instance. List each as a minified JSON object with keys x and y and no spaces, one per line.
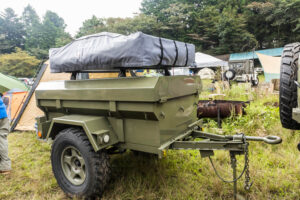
{"x":181,"y":174}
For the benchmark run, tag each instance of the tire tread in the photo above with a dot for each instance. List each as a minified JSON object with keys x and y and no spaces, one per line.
{"x":288,"y":97}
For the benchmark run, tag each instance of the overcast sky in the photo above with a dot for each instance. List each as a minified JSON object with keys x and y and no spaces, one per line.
{"x":74,"y":12}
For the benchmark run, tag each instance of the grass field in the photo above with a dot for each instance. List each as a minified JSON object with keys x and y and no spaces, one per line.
{"x":275,"y":170}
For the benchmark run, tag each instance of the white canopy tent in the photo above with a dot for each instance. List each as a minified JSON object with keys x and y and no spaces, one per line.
{"x":204,"y":60}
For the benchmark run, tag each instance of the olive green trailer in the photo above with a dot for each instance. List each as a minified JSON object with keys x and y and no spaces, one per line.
{"x":89,"y":119}
{"x":146,"y":114}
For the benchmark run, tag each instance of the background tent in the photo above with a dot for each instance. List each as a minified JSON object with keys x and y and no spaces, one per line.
{"x":205,"y":60}
{"x":180,"y":71}
{"x":271,"y":66}
{"x":9,"y":82}
{"x":13,"y":100}
{"x":29,"y":111}
{"x":254,"y":54}
{"x":206,"y":73}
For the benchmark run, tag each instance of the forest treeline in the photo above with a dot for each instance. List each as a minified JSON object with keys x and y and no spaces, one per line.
{"x":214,"y":26}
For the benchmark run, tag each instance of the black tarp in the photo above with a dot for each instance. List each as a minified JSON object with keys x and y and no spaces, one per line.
{"x":104,"y":51}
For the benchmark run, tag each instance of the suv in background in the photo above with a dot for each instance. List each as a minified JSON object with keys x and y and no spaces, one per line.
{"x":241,"y":71}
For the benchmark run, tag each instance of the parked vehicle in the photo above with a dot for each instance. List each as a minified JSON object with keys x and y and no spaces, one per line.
{"x":241,"y":71}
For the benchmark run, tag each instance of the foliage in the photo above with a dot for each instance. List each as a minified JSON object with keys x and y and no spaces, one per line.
{"x":50,"y":33}
{"x":11,"y":31}
{"x":274,"y":23}
{"x":19,"y":64}
{"x":146,"y":24}
{"x":225,"y":26}
{"x":233,"y":36}
{"x":33,"y":27}
{"x":29,"y":33}
{"x":90,"y":26}
{"x":214,"y":26}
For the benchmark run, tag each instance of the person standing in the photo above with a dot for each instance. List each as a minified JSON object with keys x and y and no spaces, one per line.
{"x":5,"y":162}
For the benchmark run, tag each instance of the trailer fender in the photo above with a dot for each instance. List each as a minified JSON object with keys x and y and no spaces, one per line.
{"x":97,"y":129}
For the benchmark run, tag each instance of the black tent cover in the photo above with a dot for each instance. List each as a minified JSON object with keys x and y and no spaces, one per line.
{"x":108,"y":51}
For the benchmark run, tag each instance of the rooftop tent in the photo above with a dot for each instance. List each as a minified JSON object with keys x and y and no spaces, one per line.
{"x":204,"y":60}
{"x":108,"y":51}
{"x":271,"y":66}
{"x":9,"y":82}
{"x":253,"y":55}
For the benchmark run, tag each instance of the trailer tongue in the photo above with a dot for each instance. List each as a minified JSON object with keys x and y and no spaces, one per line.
{"x":235,"y":144}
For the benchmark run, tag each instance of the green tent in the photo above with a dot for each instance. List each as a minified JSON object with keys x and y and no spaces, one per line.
{"x":9,"y":82}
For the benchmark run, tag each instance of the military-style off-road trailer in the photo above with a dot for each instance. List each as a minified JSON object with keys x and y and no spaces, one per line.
{"x":89,"y":119}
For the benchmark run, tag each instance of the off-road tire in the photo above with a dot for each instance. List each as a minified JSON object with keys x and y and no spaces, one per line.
{"x":97,"y":165}
{"x":288,"y":89}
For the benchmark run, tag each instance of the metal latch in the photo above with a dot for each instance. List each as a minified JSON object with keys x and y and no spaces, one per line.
{"x":163,"y":99}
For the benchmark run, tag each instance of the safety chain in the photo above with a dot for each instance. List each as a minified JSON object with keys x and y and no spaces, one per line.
{"x":247,"y":185}
{"x":245,"y":169}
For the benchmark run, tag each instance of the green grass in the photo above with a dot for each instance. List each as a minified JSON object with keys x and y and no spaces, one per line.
{"x":181,"y":174}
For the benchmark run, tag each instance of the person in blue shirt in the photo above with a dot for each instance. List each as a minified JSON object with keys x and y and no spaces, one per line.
{"x":5,"y":162}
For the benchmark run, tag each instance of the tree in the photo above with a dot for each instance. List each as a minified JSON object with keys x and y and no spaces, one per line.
{"x":146,"y":24}
{"x":224,"y":26}
{"x":154,"y":7}
{"x":63,"y":39}
{"x":90,"y":26}
{"x":19,"y":64}
{"x":256,"y":15}
{"x":274,"y":23}
{"x":30,"y":17}
{"x":52,"y":28}
{"x":233,"y":36}
{"x":41,"y":37}
{"x":177,"y":21}
{"x":33,"y":28}
{"x":286,"y":21}
{"x":11,"y":31}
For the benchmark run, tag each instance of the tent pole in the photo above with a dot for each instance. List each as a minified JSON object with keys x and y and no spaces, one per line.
{"x":222,"y":72}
